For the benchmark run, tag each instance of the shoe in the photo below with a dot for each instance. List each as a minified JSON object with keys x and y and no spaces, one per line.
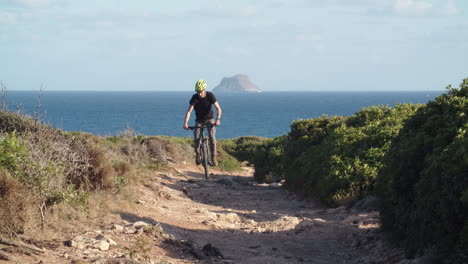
{"x":197,"y":159}
{"x":214,"y":161}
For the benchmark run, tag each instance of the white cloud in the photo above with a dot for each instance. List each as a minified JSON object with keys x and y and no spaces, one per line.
{"x":34,"y":2}
{"x":8,"y":18}
{"x":27,"y":3}
{"x":450,"y":8}
{"x":412,"y":7}
{"x":223,"y":11}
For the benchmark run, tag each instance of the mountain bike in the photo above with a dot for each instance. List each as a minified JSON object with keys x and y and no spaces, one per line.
{"x":203,"y":148}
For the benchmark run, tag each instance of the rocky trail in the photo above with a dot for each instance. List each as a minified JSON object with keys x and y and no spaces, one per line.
{"x":180,"y":217}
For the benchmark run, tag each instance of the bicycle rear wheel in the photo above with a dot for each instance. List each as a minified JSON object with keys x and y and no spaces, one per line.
{"x":205,"y":159}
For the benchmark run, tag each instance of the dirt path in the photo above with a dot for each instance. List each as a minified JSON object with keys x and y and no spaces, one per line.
{"x":259,"y":223}
{"x":180,"y":217}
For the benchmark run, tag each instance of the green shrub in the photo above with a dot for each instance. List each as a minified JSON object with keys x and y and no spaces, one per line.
{"x":10,"y":122}
{"x":424,"y":182}
{"x":242,"y":148}
{"x":307,"y":135}
{"x":226,"y":162}
{"x":268,"y":160}
{"x":13,"y":153}
{"x":338,"y":158}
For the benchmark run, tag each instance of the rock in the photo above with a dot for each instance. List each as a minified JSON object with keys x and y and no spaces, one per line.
{"x":117,"y":227}
{"x":130,"y":230}
{"x":197,"y":253}
{"x":139,"y":202}
{"x":319,"y":220}
{"x":209,"y":250}
{"x":107,"y":239}
{"x":250,"y":222}
{"x":115,"y":261}
{"x":237,"y":84}
{"x":77,"y":242}
{"x":103,"y":245}
{"x":201,"y":211}
{"x":139,"y":224}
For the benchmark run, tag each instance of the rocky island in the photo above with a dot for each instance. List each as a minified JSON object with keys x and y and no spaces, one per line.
{"x":237,"y":84}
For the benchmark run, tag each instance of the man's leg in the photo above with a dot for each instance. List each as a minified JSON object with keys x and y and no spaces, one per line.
{"x":212,"y":136}
{"x":196,"y":144}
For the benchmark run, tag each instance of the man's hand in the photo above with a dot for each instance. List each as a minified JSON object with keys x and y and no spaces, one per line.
{"x":185,"y":126}
{"x":218,"y":122}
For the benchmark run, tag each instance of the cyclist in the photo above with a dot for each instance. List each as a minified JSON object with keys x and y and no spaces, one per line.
{"x":202,"y":102}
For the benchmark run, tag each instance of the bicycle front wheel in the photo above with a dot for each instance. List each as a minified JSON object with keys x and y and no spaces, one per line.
{"x":205,"y":160}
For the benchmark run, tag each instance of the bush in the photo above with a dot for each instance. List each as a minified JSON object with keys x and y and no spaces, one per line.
{"x":168,"y":149}
{"x":18,"y":206}
{"x":242,"y":148}
{"x":45,"y":166}
{"x":268,"y":160}
{"x":339,"y":158}
{"x":307,"y":135}
{"x":358,"y":148}
{"x":424,"y":185}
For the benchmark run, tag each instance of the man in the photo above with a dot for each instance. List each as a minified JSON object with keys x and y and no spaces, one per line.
{"x":202,"y":102}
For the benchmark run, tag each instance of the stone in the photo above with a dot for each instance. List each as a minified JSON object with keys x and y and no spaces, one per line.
{"x":209,"y":250}
{"x":103,"y":245}
{"x":117,"y":227}
{"x":140,"y":224}
{"x":197,"y":253}
{"x":130,"y":230}
{"x":201,"y":211}
{"x":107,"y":239}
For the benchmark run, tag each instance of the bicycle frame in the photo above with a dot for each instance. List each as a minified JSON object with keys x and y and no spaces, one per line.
{"x":203,"y":147}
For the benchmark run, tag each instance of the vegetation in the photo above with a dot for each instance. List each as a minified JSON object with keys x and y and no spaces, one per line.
{"x":424,"y":183}
{"x":413,"y":157}
{"x":42,"y":168}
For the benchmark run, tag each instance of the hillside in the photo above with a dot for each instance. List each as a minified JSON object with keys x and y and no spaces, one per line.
{"x":237,"y":84}
{"x":332,"y":190}
{"x":77,"y":198}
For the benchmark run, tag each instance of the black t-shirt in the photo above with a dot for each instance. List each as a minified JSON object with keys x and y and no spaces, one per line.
{"x":202,"y":106}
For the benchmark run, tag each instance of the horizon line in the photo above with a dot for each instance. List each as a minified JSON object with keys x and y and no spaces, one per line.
{"x":268,"y":91}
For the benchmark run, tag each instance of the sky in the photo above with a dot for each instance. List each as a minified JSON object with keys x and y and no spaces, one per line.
{"x":282,"y":45}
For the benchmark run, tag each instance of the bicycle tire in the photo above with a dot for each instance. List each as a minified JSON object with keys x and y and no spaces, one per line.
{"x":205,"y":160}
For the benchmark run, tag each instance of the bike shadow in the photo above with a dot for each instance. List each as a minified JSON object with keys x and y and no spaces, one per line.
{"x":201,"y":175}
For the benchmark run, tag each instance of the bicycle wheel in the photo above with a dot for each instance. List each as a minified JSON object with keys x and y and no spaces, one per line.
{"x":205,"y":159}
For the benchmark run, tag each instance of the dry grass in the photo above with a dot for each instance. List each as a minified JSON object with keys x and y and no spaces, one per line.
{"x":18,"y":208}
{"x":54,"y":183}
{"x":166,"y":150}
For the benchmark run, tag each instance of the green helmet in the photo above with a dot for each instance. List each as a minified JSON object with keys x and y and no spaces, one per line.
{"x":200,"y":86}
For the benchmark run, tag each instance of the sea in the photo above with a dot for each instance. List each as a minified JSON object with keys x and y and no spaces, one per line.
{"x":266,"y":114}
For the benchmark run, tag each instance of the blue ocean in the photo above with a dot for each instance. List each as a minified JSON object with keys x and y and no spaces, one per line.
{"x":266,"y":114}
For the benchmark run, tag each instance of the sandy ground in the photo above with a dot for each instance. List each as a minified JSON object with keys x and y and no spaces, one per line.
{"x":180,"y":217}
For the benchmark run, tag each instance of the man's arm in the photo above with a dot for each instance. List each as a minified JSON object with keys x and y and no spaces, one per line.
{"x":218,"y":115}
{"x":187,"y":116}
